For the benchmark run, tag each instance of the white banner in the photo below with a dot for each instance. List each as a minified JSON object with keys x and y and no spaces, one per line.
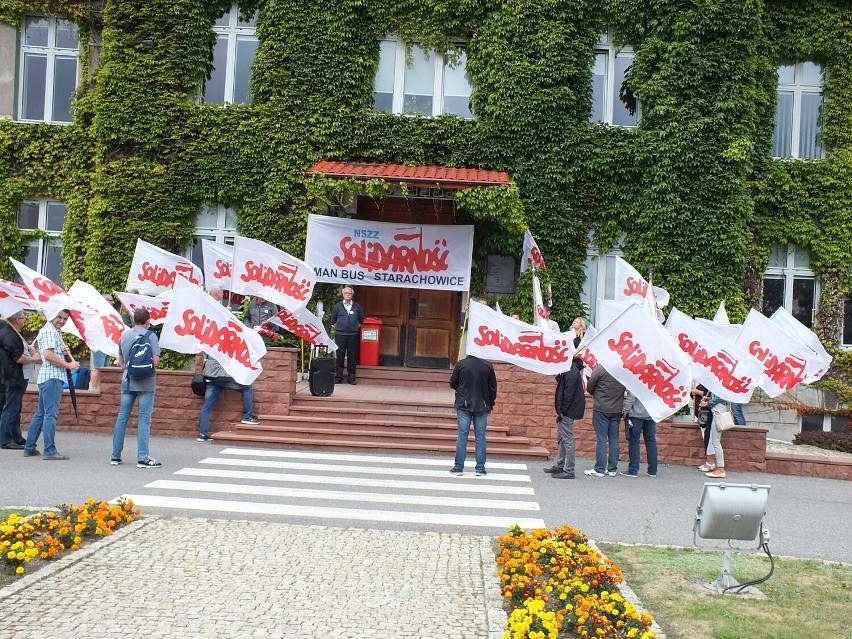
{"x":639,"y":353}
{"x":218,"y":263}
{"x":492,"y":335}
{"x":631,"y":286}
{"x":304,"y":325}
{"x":261,"y":269}
{"x":724,"y":368}
{"x":14,"y":297}
{"x":818,"y":366}
{"x":155,"y":270}
{"x":785,"y":359}
{"x":198,"y":323}
{"x":103,"y":326}
{"x":349,"y":251}
{"x":532,"y":256}
{"x":157,"y":307}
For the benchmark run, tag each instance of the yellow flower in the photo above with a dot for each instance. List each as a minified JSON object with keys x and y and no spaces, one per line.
{"x":19,"y":570}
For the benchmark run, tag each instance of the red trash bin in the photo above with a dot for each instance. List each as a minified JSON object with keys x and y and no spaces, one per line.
{"x":371,"y":341}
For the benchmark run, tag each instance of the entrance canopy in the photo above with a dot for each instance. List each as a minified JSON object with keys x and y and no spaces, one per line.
{"x":445,"y":176}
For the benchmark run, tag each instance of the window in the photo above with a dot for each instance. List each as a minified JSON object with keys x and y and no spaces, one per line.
{"x":214,"y":223}
{"x":825,"y":423}
{"x":790,"y":282}
{"x":600,"y":278}
{"x":609,"y":73}
{"x":233,"y":55}
{"x":426,"y":83}
{"x":48,"y":69}
{"x":44,"y":255}
{"x":798,"y":122}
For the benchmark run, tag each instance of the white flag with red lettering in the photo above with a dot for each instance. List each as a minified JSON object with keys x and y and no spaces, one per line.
{"x":492,"y":335}
{"x":638,"y":351}
{"x":786,"y":360}
{"x":631,"y":286}
{"x":539,"y":316}
{"x":197,"y":323}
{"x":102,"y":325}
{"x":305,"y":325}
{"x":48,"y":296}
{"x":157,"y":307}
{"x":218,"y":263}
{"x":818,"y":365}
{"x":155,"y":270}
{"x":263,"y":270}
{"x":723,"y":367}
{"x":532,"y":256}
{"x":14,"y":297}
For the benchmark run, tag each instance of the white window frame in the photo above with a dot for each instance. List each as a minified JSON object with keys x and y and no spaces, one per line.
{"x":51,"y":52}
{"x":789,"y":273}
{"x":233,"y":32}
{"x":54,"y":237}
{"x":797,"y":88}
{"x":221,"y":232}
{"x":610,"y":51}
{"x":400,"y":66}
{"x":600,"y":275}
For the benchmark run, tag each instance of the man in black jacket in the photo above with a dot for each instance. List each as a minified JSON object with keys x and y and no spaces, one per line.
{"x":346,"y":317}
{"x":475,"y":384}
{"x":17,"y":362}
{"x":570,"y":404}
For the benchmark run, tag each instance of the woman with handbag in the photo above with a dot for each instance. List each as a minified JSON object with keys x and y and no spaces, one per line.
{"x":703,"y":416}
{"x":714,"y":467}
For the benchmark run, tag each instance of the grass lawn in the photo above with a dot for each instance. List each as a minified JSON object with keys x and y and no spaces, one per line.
{"x":804,"y":599}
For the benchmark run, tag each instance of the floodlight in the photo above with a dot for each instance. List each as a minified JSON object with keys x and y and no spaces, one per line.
{"x":732,"y":512}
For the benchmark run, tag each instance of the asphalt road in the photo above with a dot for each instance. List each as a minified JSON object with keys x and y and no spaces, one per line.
{"x":806,"y":517}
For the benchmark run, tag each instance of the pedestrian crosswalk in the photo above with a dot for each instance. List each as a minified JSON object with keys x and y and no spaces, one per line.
{"x":348,"y":489}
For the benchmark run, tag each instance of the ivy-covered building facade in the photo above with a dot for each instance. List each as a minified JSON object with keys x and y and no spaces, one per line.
{"x":710,"y":141}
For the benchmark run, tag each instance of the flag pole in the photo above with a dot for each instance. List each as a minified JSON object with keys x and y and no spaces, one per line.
{"x":464,"y":324}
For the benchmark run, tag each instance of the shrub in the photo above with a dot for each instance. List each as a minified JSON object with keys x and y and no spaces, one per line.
{"x":841,"y":442}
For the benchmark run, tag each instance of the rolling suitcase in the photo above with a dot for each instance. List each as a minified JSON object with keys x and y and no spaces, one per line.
{"x":321,"y":375}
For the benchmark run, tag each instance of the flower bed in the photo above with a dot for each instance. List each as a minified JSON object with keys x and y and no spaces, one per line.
{"x":45,"y":535}
{"x":561,"y":587}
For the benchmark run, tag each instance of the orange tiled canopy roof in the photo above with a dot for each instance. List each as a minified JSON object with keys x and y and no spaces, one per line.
{"x":446,"y":176}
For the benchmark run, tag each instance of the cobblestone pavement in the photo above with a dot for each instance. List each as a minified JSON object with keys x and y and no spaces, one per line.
{"x":204,"y":578}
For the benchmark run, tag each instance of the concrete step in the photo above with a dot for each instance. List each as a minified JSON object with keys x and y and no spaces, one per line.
{"x":381,"y":413}
{"x":366,"y":401}
{"x":320,"y":429}
{"x":346,"y":443}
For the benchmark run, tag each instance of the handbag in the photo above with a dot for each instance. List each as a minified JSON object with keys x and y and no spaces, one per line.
{"x":723,"y":418}
{"x":703,"y":416}
{"x":199,"y":385}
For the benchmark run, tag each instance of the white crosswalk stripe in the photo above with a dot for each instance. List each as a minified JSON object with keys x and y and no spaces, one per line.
{"x":334,"y":488}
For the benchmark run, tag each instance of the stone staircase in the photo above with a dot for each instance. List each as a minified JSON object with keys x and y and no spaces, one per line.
{"x":390,"y":410}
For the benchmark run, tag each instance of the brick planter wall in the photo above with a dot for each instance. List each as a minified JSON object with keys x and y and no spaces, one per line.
{"x":176,"y":409}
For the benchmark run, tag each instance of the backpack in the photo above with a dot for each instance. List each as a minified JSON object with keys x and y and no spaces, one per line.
{"x":140,"y":364}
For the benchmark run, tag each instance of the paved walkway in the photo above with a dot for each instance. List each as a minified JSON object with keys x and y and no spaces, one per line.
{"x":199,"y":578}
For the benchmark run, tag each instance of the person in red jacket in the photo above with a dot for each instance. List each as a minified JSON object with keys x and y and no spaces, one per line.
{"x":570,"y":404}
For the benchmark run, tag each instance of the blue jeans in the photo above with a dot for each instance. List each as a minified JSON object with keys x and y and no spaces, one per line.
{"x":647,"y":429}
{"x":44,"y":420}
{"x":739,"y":414}
{"x":10,"y":421}
{"x":606,"y":431}
{"x":214,"y":387}
{"x":146,"y":407}
{"x":464,"y":418}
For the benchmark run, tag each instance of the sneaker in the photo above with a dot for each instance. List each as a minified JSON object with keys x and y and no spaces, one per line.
{"x":562,"y":475}
{"x":611,"y":473}
{"x":205,"y":438}
{"x":593,"y":473}
{"x":553,"y":469}
{"x":252,"y":421}
{"x":35,"y":452}
{"x":148,"y":462}
{"x":626,"y":475}
{"x":115,"y":461}
{"x":55,"y":457}
{"x":456,"y":471}
{"x":480,"y":472}
{"x":651,"y":474}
